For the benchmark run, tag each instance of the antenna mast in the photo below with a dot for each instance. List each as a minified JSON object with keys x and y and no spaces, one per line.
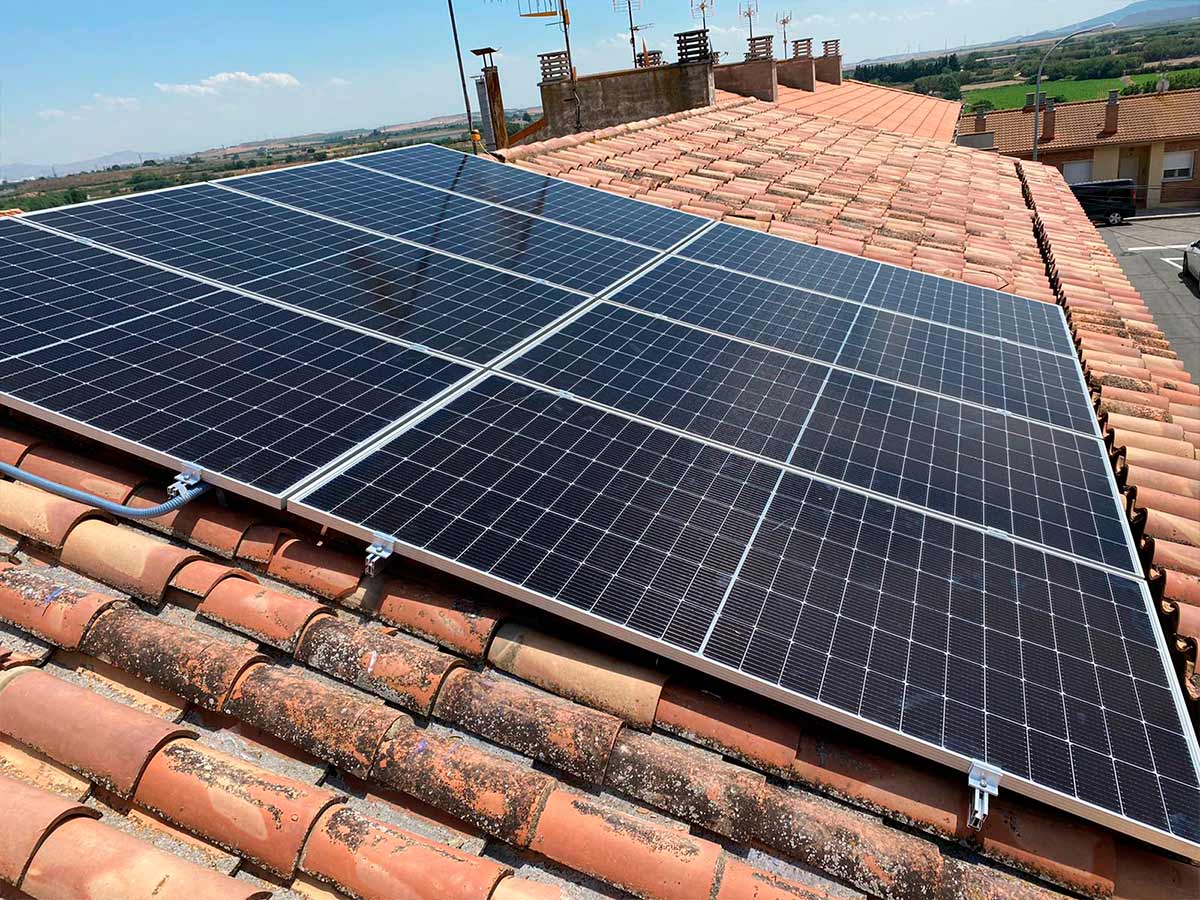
{"x":783,"y":21}
{"x":748,"y":10}
{"x":700,"y":10}
{"x":629,"y":6}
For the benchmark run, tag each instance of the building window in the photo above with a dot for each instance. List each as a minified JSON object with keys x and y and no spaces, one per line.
{"x":1077,"y":170}
{"x":1179,"y":165}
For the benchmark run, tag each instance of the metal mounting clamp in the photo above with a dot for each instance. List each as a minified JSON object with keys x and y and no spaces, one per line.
{"x":378,"y":552}
{"x":985,"y":780}
{"x":185,"y":480}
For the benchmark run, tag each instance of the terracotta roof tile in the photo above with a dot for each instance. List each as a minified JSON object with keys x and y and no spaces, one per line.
{"x":29,"y":816}
{"x":268,"y":616}
{"x":632,"y":853}
{"x":134,"y":563}
{"x":403,"y":671}
{"x":568,"y":736}
{"x":192,"y":665}
{"x":258,"y":815}
{"x":367,"y":858}
{"x":73,"y":470}
{"x":85,"y":858}
{"x":335,"y":725}
{"x":438,"y":609}
{"x":628,"y":691}
{"x":105,"y":741}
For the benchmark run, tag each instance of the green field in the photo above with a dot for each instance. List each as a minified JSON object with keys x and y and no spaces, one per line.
{"x":1012,"y":96}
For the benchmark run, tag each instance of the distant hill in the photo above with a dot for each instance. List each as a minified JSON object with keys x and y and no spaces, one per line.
{"x":25,"y":171}
{"x":1143,"y":12}
{"x":1139,"y":14}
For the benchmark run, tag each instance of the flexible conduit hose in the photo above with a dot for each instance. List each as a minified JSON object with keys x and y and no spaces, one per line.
{"x":184,"y":497}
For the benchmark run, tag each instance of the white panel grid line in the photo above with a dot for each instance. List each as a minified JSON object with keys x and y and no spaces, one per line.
{"x":301,"y":490}
{"x":762,"y":517}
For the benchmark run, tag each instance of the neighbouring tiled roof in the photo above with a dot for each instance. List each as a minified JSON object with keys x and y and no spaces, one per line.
{"x":225,"y":706}
{"x":1141,"y":119}
{"x":914,"y":202}
{"x":876,"y":106}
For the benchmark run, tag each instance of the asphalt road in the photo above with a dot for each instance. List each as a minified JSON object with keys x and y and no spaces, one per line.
{"x":1151,"y":256}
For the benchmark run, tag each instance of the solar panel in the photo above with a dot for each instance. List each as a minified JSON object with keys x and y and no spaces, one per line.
{"x":959,"y":364}
{"x":357,"y":196}
{"x":421,"y":296}
{"x":207,"y":231}
{"x":550,"y":198}
{"x":253,"y":394}
{"x":536,"y":248}
{"x":1041,"y":484}
{"x":799,"y":265}
{"x":451,"y":170}
{"x":1031,"y":383}
{"x":1045,"y":485}
{"x":769,"y":314}
{"x":942,"y":638}
{"x":53,"y":288}
{"x":895,"y":514}
{"x":725,"y":390}
{"x":1019,"y":319}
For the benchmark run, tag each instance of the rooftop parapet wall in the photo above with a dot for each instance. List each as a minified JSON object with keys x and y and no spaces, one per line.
{"x":614,"y":98}
{"x":798,"y":72}
{"x":752,"y":78}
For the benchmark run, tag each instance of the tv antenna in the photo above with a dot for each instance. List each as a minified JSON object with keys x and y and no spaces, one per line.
{"x":629,"y":6}
{"x":701,"y":9}
{"x":748,"y":10}
{"x":556,"y":9}
{"x":783,"y":21}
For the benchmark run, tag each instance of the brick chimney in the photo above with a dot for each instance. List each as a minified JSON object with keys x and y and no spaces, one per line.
{"x":829,"y":65}
{"x":980,"y":121}
{"x":800,"y":71}
{"x":1110,"y":113}
{"x":1048,"y":121}
{"x":491,"y":103}
{"x":1028,"y":102}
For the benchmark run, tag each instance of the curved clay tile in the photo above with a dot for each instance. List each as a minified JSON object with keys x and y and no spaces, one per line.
{"x":29,"y":815}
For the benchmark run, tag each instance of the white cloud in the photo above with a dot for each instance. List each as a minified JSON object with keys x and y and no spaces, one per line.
{"x":339,"y":82}
{"x":902,"y":15}
{"x":214,"y":84}
{"x":49,"y":114}
{"x":107,"y":102}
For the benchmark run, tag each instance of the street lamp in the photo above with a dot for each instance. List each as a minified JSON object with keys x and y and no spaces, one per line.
{"x":1037,"y":88}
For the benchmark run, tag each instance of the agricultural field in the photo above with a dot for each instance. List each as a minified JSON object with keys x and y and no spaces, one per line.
{"x":1012,"y":96}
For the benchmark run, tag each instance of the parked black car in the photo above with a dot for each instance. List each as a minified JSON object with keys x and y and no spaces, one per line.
{"x":1107,"y":201}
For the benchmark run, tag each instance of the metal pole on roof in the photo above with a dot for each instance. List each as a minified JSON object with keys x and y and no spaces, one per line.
{"x":462,"y":73}
{"x":1037,"y":87}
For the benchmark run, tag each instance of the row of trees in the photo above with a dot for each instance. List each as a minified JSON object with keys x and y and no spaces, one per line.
{"x":910,"y":70}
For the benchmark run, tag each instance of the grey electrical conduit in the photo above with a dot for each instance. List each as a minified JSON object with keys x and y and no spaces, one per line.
{"x":184,"y":497}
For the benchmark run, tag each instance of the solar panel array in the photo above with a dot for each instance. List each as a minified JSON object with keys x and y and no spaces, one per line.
{"x":874,"y":494}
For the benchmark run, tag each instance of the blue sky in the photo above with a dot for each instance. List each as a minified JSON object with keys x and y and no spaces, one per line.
{"x":82,"y":79}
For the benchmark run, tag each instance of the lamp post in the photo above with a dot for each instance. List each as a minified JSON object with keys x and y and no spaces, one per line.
{"x":1037,"y":88}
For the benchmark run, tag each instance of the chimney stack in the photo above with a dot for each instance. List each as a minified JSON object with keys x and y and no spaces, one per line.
{"x":491,"y":104}
{"x":760,"y":47}
{"x":1048,"y":121}
{"x":829,"y":64}
{"x":802,"y":49}
{"x":1110,"y":113}
{"x":1029,"y":101}
{"x":980,"y":121}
